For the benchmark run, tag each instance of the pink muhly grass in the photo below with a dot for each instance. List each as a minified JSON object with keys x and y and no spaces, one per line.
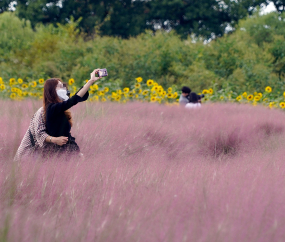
{"x":149,"y":173}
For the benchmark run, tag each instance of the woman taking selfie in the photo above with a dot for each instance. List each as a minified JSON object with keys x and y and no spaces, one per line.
{"x":49,"y":129}
{"x":57,"y":117}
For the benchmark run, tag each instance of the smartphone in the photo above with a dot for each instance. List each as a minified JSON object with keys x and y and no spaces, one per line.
{"x":102,"y":73}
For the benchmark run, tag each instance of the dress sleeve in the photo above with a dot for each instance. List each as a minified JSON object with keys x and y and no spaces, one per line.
{"x":40,"y":129}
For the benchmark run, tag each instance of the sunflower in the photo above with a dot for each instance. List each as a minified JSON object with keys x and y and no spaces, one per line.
{"x":271,"y":104}
{"x":137,"y":85}
{"x":257,"y":98}
{"x":284,"y":94}
{"x":1,"y":80}
{"x":153,"y":99}
{"x":12,"y":81}
{"x":13,"y":95}
{"x":119,"y":92}
{"x":154,"y":95}
{"x":13,"y":89}
{"x":33,"y":84}
{"x":118,"y":98}
{"x":169,"y":95}
{"x":19,"y":92}
{"x":20,"y":81}
{"x":282,"y":105}
{"x":70,"y":81}
{"x":222,"y":97}
{"x":136,"y":96}
{"x":175,"y":95}
{"x":254,"y":103}
{"x":154,"y":88}
{"x":205,"y":91}
{"x":96,"y":98}
{"x":249,"y":97}
{"x":169,"y":89}
{"x":95,"y":87}
{"x":139,"y":79}
{"x":244,"y":94}
{"x":41,"y":81}
{"x":24,"y":86}
{"x":106,"y":89}
{"x":259,"y":94}
{"x":239,"y":98}
{"x":155,"y":84}
{"x":149,"y":82}
{"x":114,"y":94}
{"x":131,"y":94}
{"x":145,"y":92}
{"x":103,"y":99}
{"x":2,"y":87}
{"x":211,"y":91}
{"x":268,"y":89}
{"x":126,"y":90}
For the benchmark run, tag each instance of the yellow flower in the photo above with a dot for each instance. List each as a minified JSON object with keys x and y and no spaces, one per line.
{"x":41,"y":81}
{"x":154,"y":88}
{"x":268,"y":89}
{"x":1,"y":80}
{"x":244,"y":94}
{"x":153,"y":99}
{"x":131,"y":94}
{"x":13,"y":95}
{"x":19,"y":92}
{"x":222,"y":97}
{"x":175,"y":95}
{"x":211,"y":91}
{"x":255,"y":93}
{"x":250,"y":97}
{"x":155,"y":84}
{"x":145,"y":92}
{"x":271,"y":104}
{"x":25,"y":94}
{"x":106,"y":89}
{"x":118,"y":98}
{"x":24,"y":86}
{"x":126,"y":90}
{"x":254,"y":103}
{"x":100,"y":93}
{"x":282,"y":105}
{"x":119,"y":92}
{"x":71,"y":81}
{"x":136,"y":96}
{"x":239,"y":98}
{"x":86,"y":80}
{"x":149,"y":82}
{"x":103,"y":99}
{"x":169,"y":89}
{"x":2,"y":87}
{"x":259,"y":94}
{"x":137,"y":85}
{"x":139,"y":79}
{"x":12,"y":81}
{"x":95,"y":86}
{"x":20,"y":81}
{"x":169,"y":95}
{"x":205,"y":91}
{"x":154,"y":95}
{"x":14,"y":89}
{"x":33,"y":84}
{"x":257,"y":98}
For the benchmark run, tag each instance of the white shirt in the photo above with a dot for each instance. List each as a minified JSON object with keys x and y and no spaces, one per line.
{"x":193,"y":105}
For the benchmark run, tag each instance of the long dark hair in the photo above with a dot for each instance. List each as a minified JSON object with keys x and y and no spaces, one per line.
{"x":50,"y":96}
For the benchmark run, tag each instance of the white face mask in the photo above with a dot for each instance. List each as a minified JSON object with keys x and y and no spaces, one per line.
{"x":62,"y":94}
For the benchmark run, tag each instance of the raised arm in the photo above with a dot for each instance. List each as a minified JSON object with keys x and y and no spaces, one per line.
{"x":86,"y":87}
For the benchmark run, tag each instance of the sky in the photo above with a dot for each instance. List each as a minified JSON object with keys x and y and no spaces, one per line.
{"x":268,"y":9}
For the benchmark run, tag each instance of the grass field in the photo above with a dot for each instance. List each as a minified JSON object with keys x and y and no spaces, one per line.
{"x":149,"y":173}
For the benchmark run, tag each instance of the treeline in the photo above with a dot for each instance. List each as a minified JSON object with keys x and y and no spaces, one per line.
{"x":129,"y":18}
{"x":250,"y":58}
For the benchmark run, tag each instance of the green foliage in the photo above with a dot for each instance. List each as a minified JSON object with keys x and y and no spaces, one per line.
{"x":250,"y":58}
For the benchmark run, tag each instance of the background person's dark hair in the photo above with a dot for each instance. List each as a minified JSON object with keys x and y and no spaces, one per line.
{"x":193,"y":97}
{"x":66,"y":86}
{"x":186,"y":89}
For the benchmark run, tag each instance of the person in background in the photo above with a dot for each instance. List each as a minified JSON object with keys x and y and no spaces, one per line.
{"x":194,"y":101}
{"x":184,"y":97}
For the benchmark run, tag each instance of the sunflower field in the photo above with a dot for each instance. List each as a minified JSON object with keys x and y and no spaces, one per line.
{"x":149,"y":91}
